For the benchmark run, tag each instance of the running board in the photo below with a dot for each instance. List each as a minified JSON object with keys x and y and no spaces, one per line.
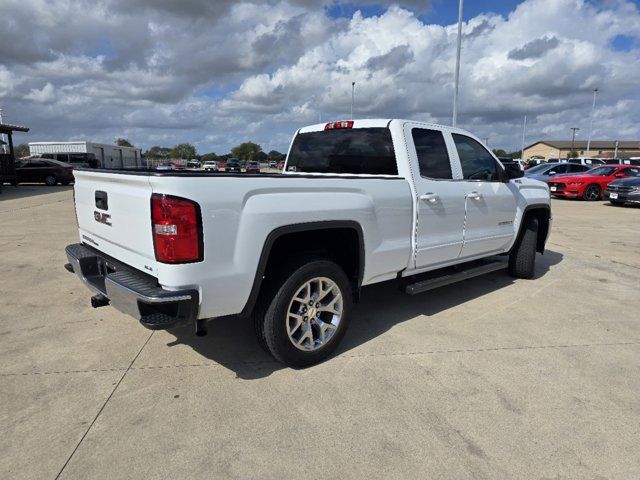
{"x":446,"y":276}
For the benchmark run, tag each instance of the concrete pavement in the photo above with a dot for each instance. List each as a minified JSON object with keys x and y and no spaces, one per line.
{"x":492,"y":378}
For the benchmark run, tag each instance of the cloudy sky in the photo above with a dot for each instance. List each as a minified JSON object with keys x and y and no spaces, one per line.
{"x":215,"y":73}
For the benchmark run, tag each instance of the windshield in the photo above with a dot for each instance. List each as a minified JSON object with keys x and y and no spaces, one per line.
{"x":539,"y":169}
{"x":601,"y":171}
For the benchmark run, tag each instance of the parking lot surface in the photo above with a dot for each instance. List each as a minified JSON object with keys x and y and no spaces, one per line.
{"x":491,"y":378}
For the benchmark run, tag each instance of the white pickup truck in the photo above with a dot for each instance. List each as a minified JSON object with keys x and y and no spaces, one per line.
{"x":359,"y":202}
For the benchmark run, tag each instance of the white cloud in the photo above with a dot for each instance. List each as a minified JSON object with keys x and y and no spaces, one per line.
{"x":44,"y":95}
{"x":217,"y":73}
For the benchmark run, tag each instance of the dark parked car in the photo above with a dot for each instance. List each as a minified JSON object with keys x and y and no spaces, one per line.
{"x":233,"y":166}
{"x":253,"y":167}
{"x":623,"y":190}
{"x":75,"y":159}
{"x":42,"y":170}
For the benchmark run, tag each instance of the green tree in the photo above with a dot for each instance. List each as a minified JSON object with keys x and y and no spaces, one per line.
{"x":123,"y":142}
{"x":157,"y":152}
{"x":261,"y":157}
{"x":573,"y":154}
{"x":500,"y":152}
{"x":209,"y":157}
{"x":22,"y":150}
{"x":276,"y":156}
{"x":183,"y":150}
{"x":246,"y":151}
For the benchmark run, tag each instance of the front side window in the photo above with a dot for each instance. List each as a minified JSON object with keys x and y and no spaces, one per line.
{"x":346,"y":150}
{"x":433,"y":157}
{"x":476,"y":162}
{"x":559,"y":169}
{"x":578,"y":168}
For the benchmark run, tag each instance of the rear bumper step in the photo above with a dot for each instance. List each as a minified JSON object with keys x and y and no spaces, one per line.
{"x":446,"y":276}
{"x":131,"y":291}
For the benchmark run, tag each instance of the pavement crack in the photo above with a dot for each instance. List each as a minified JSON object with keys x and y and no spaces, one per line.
{"x":104,"y":405}
{"x":354,"y":355}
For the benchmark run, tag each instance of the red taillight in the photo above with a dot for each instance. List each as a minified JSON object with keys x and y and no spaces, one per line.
{"x":177,"y":229}
{"x":337,"y":125}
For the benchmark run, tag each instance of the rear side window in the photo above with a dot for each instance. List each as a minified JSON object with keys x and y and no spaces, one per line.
{"x":476,"y":162}
{"x":355,"y":151}
{"x":433,"y":157}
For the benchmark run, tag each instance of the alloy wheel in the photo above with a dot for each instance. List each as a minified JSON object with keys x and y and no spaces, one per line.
{"x":314,"y":314}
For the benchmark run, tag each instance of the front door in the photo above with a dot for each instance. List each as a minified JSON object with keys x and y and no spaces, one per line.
{"x":490,"y":202}
{"x":440,"y":198}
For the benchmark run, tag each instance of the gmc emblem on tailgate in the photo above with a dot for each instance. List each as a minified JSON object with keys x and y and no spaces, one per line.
{"x":102,"y":218}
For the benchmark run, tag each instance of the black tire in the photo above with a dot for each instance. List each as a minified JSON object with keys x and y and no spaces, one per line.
{"x":617,"y":203}
{"x":522,"y":259}
{"x":50,"y":180}
{"x":592,"y":193}
{"x":270,"y":314}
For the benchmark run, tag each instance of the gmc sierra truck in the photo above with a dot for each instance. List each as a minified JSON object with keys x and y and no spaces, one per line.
{"x":359,"y":202}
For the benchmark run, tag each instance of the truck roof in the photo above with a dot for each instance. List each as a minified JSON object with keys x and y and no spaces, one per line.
{"x":379,"y":123}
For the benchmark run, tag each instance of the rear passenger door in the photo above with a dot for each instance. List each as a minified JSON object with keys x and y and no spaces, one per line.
{"x":490,"y":202}
{"x":440,"y":198}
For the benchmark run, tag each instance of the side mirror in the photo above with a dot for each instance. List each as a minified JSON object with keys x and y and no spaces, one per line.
{"x":513,"y":170}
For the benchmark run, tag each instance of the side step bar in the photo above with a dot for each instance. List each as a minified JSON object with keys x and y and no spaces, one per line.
{"x":446,"y":276}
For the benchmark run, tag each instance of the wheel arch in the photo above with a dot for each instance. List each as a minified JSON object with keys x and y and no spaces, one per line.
{"x":543,"y":213}
{"x":281,"y":239}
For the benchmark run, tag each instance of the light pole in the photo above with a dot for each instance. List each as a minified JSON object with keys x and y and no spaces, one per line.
{"x":615,"y":153}
{"x":524,"y":130}
{"x":573,"y":138}
{"x":593,"y":109}
{"x":457,"y":75}
{"x":353,"y":93}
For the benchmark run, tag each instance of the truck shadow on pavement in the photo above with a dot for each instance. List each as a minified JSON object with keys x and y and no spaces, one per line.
{"x":232,"y":344}
{"x":9,"y":192}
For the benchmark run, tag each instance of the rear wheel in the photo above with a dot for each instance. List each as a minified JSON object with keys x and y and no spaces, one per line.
{"x":304,"y":315}
{"x":50,"y":180}
{"x":522,"y":259}
{"x":616,"y":202}
{"x":591,"y":193}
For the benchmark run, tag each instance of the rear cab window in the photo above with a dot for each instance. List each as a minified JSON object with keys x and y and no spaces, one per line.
{"x":433,"y":157}
{"x":356,"y":151}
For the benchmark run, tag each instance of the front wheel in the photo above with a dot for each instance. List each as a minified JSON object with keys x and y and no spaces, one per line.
{"x":50,"y":180}
{"x":522,"y":259}
{"x":308,"y":314}
{"x":591,"y":193}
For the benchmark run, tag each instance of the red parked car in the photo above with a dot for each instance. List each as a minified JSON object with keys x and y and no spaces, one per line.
{"x":591,"y":184}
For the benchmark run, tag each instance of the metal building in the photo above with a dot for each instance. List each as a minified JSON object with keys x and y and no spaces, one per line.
{"x":109,"y":156}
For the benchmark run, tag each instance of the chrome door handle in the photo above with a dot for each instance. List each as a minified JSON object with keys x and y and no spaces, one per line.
{"x":429,"y":197}
{"x":474,"y":196}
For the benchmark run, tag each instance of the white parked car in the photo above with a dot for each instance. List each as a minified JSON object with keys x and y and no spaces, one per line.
{"x":359,"y":202}
{"x":210,"y":166}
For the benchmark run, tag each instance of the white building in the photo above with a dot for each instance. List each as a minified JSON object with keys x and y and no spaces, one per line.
{"x":109,"y":156}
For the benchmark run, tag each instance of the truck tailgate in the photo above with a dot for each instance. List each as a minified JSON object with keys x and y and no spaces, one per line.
{"x":114,"y":216}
